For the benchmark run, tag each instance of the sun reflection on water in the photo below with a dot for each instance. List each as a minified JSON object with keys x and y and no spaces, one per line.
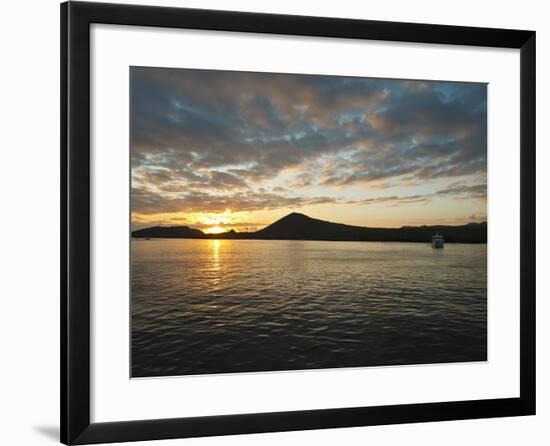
{"x":215,"y":264}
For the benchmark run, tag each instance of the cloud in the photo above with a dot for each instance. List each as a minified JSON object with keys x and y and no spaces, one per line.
{"x":212,"y":139}
{"x":394,"y":200}
{"x":466,"y":191}
{"x":456,"y":191}
{"x":149,"y":202}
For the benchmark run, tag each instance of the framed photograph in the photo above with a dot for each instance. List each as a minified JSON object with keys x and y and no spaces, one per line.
{"x":275,"y":223}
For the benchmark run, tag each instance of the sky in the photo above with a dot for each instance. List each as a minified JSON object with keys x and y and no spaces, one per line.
{"x":221,"y":150}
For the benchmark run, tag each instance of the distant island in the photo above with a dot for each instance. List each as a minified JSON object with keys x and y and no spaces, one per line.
{"x":297,"y":226}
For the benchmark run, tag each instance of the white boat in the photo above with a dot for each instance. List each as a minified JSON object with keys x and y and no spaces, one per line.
{"x":437,"y":241}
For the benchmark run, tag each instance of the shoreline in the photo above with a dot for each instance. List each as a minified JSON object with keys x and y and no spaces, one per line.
{"x":132,"y":238}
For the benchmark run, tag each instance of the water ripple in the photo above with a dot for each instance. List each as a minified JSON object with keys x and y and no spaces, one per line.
{"x":218,"y":306}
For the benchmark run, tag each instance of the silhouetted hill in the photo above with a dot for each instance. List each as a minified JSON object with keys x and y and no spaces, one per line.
{"x":168,"y":232}
{"x":297,"y":226}
{"x":301,"y":227}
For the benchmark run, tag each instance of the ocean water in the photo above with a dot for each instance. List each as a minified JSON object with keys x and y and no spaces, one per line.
{"x":224,"y":306}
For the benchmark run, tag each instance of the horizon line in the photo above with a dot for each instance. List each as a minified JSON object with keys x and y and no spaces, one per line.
{"x":266,"y":225}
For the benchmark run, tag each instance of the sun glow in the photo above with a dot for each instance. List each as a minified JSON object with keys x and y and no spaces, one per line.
{"x":214,"y":230}
{"x":221,"y":218}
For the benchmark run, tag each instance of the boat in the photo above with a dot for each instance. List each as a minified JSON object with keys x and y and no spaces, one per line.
{"x":437,"y":241}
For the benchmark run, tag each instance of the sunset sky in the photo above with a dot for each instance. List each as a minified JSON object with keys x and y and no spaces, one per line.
{"x":220,"y":150}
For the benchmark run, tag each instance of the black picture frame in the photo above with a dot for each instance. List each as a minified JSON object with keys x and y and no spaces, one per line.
{"x":76,"y":18}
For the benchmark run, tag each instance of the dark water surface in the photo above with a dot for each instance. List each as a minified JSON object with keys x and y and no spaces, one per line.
{"x":219,"y":306}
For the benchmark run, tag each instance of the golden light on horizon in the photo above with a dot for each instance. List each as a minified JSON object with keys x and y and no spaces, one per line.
{"x":220,"y":218}
{"x":208,"y":222}
{"x":215,"y":230}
